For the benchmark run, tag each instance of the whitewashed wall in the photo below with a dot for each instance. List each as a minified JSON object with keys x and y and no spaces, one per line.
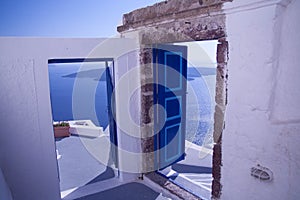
{"x":262,"y":123}
{"x":27,"y":150}
{"x":27,"y":146}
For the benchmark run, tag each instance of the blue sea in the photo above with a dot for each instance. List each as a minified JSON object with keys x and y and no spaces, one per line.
{"x":62,"y":78}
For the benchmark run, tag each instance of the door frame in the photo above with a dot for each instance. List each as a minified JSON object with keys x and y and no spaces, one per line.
{"x":113,"y":137}
{"x":204,"y":21}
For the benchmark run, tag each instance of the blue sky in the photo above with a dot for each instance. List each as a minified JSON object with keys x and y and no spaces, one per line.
{"x":65,"y":18}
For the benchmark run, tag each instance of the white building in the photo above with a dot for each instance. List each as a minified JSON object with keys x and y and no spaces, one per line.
{"x":257,"y":113}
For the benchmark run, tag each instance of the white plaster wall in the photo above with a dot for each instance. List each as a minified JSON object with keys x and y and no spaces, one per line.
{"x":262,"y":117}
{"x":27,"y":150}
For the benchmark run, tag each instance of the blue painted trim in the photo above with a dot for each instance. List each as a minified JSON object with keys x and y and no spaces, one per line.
{"x":166,"y":54}
{"x":179,"y":143}
{"x":155,"y":101}
{"x":166,"y":107}
{"x":161,"y":58}
{"x":76,"y":60}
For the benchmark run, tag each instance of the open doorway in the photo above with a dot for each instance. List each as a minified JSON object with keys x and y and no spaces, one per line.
{"x":194,"y":172}
{"x":80,"y":91}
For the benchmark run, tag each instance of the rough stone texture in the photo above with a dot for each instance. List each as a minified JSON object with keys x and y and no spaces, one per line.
{"x":169,"y":10}
{"x":176,"y":21}
{"x":171,"y":187}
{"x":221,"y":102}
{"x":219,"y":123}
{"x":186,"y":29}
{"x":221,"y":77}
{"x":146,"y":86}
{"x":146,"y":105}
{"x":222,"y":51}
{"x":217,"y":163}
{"x":147,"y":102}
{"x":221,"y":89}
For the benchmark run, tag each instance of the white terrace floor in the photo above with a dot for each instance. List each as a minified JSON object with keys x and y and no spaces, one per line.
{"x":83,"y":176}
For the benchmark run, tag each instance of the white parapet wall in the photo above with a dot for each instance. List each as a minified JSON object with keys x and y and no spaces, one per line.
{"x":85,"y":128}
{"x":27,"y":147}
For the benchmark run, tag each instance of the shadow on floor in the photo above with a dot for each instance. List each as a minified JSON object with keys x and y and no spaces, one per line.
{"x":132,"y":191}
{"x":107,"y":174}
{"x":182,"y":168}
{"x":83,"y":136}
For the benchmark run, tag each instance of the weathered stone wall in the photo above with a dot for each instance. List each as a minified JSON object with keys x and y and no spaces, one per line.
{"x":147,"y":118}
{"x":221,"y":102}
{"x":168,"y":11}
{"x":175,"y":20}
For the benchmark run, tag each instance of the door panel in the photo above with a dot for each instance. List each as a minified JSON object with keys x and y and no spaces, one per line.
{"x":111,"y":114}
{"x":170,"y":71}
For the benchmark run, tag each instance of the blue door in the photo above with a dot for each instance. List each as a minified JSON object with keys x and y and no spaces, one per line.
{"x":170,"y":73}
{"x":111,"y":114}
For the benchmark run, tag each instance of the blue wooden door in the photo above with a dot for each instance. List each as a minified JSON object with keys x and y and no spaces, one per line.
{"x":170,"y":72}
